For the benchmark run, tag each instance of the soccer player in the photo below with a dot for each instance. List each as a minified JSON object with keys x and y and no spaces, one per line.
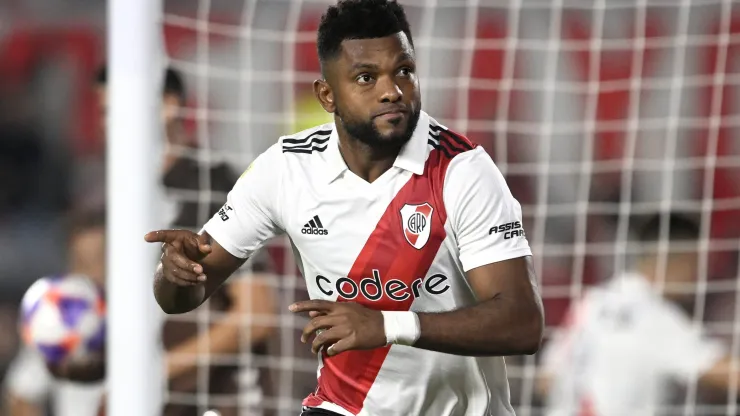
{"x":71,"y":388}
{"x":627,"y":343}
{"x":411,"y":244}
{"x":250,"y":294}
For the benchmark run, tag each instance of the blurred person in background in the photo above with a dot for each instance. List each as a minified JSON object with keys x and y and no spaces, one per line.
{"x":625,"y":344}
{"x":77,"y":388}
{"x":34,"y":183}
{"x":249,"y":295}
{"x":72,"y":388}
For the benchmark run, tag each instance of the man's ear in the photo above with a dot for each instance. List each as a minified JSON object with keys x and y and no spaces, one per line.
{"x":323,"y":92}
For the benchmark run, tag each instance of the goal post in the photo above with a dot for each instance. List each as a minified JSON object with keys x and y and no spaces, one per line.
{"x":134,"y":100}
{"x":598,"y":113}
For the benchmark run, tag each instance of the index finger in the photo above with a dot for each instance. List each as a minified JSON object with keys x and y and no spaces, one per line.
{"x":161,"y":236}
{"x":313,"y":305}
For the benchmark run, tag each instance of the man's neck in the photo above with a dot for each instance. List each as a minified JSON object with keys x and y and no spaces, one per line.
{"x":365,"y":161}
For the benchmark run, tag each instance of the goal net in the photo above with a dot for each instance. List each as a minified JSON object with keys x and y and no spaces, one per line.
{"x":598,"y":113}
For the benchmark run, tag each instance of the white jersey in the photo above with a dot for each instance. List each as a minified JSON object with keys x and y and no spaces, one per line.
{"x":619,"y":351}
{"x":28,"y":379}
{"x":401,"y":242}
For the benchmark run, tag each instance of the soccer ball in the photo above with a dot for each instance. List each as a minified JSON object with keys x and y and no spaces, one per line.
{"x":63,"y":317}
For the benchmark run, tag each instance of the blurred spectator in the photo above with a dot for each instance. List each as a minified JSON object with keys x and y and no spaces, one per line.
{"x":625,"y":343}
{"x":30,"y":178}
{"x":74,"y":388}
{"x":247,"y":294}
{"x":30,"y":383}
{"x":20,"y":157}
{"x":33,"y":191}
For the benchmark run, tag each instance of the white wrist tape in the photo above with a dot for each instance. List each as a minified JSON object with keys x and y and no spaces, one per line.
{"x":401,"y":328}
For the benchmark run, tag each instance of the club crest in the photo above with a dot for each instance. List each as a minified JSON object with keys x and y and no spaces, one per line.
{"x":417,"y":223}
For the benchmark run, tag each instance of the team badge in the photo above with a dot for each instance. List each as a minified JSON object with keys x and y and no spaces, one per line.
{"x":417,"y":223}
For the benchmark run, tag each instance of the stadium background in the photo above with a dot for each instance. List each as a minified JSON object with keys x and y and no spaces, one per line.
{"x":596,"y":112}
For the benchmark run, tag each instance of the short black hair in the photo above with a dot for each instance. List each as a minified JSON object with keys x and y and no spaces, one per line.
{"x":359,"y":19}
{"x":173,"y":82}
{"x":680,"y":228}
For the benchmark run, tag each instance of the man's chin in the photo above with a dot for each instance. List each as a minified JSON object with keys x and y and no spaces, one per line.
{"x":392,"y":134}
{"x":395,"y":139}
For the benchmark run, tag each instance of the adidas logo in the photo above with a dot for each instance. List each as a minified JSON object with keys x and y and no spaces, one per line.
{"x":314,"y":227}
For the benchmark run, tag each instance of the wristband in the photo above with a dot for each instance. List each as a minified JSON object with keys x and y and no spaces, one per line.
{"x":401,"y":328}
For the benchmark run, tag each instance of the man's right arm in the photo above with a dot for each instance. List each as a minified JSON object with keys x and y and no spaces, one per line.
{"x":721,"y":374}
{"x":180,"y":297}
{"x":194,"y":265}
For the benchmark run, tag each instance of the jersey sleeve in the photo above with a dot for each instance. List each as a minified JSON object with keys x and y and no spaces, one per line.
{"x":485,"y":217}
{"x":685,"y":352}
{"x":27,"y":377}
{"x":251,"y":214}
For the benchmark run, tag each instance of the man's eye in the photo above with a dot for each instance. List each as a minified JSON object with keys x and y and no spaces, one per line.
{"x":364,"y":79}
{"x":405,"y":72}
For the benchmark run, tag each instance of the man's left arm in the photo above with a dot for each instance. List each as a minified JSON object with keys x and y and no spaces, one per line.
{"x":487,"y":223}
{"x":508,"y":317}
{"x":507,"y":320}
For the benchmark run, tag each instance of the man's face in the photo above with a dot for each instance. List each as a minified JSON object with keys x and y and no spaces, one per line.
{"x":681,"y":272}
{"x":375,"y":89}
{"x":170,"y":109}
{"x":102,"y":97}
{"x":169,"y":113}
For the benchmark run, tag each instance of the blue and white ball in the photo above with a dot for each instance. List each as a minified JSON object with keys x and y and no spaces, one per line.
{"x":63,"y":317}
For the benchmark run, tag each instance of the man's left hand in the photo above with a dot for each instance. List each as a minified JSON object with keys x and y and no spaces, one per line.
{"x":88,"y":369}
{"x":341,"y":326}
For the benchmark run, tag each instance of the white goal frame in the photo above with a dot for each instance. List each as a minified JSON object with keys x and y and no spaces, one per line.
{"x":134,"y":77}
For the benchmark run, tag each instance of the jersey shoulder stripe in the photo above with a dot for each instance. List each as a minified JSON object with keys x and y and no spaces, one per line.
{"x":308,"y":141}
{"x":447,"y":142}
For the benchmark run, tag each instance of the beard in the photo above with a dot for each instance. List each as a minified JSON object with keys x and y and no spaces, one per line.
{"x":367,"y":133}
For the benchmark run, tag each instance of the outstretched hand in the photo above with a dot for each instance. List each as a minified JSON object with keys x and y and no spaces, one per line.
{"x":182,"y":251}
{"x":341,"y":326}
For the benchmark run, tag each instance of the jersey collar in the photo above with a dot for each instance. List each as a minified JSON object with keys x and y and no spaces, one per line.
{"x":413,"y":155}
{"x":411,"y":158}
